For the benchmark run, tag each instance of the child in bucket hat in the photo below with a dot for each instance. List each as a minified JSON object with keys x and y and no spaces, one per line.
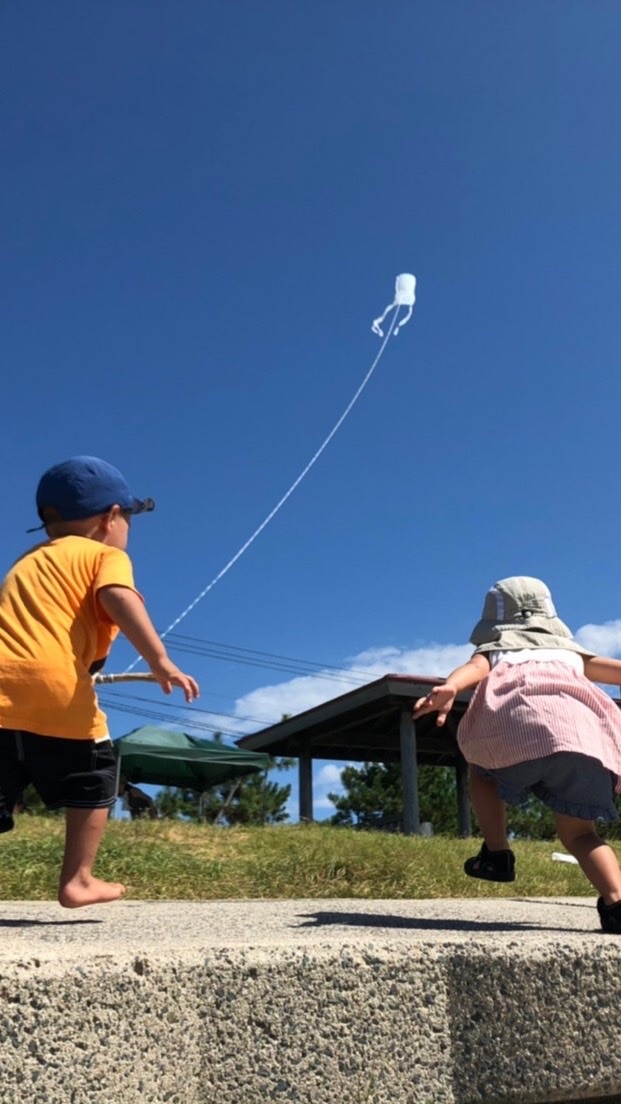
{"x":537,"y":724}
{"x":61,"y":606}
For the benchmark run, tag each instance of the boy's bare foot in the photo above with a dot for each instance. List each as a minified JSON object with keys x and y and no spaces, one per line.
{"x":91,"y":891}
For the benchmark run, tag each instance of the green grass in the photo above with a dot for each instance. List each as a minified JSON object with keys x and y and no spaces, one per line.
{"x":168,"y":860}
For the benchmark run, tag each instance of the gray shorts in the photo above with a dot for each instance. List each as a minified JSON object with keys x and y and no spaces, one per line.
{"x":570,"y":783}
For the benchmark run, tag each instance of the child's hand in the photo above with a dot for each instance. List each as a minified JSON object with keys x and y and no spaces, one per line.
{"x":439,"y":700}
{"x":168,"y":675}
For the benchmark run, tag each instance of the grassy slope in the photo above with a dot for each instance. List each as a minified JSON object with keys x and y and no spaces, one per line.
{"x":165,"y":860}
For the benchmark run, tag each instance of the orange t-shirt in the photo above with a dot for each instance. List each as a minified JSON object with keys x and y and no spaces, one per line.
{"x":52,"y":631}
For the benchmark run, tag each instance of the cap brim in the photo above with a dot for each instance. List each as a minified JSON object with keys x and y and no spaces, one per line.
{"x":142,"y":506}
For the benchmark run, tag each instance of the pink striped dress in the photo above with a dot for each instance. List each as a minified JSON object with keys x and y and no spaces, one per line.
{"x":526,"y":710}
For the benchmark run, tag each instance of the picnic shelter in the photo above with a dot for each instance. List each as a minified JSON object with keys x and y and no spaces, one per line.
{"x":373,"y":724}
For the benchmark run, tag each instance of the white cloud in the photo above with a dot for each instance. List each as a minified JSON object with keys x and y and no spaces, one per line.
{"x":293,"y":696}
{"x":321,"y":804}
{"x":603,"y":639}
{"x":329,"y":775}
{"x":268,"y":703}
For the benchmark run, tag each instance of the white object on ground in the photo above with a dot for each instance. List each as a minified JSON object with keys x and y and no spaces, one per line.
{"x":560,"y":856}
{"x":405,"y":296}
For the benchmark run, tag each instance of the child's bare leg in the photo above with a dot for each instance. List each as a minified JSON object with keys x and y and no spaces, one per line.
{"x":596,"y":858}
{"x":490,"y":811}
{"x":83,"y":831}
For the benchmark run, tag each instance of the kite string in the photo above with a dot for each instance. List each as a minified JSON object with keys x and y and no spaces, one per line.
{"x":287,"y":494}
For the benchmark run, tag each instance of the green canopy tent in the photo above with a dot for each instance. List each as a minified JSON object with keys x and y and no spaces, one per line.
{"x":162,"y":757}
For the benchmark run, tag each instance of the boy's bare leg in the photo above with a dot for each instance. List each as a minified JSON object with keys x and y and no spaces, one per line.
{"x":490,"y":811}
{"x":596,"y":858}
{"x":83,"y":831}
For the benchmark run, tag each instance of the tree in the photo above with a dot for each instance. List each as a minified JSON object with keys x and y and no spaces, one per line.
{"x":374,"y":792}
{"x":534,"y":820}
{"x":31,"y":803}
{"x":176,"y":803}
{"x":250,"y":800}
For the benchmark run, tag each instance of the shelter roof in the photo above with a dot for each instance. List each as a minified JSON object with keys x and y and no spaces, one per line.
{"x":364,"y":724}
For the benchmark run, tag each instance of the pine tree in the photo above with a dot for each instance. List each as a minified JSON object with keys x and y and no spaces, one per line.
{"x":31,"y":803}
{"x":250,"y":800}
{"x":374,"y":795}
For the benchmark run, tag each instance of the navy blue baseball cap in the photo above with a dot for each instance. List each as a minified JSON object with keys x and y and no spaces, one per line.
{"x":85,"y":486}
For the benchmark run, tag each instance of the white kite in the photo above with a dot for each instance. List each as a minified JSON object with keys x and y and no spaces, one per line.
{"x":405,"y":296}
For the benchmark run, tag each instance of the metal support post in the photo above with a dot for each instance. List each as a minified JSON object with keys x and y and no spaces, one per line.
{"x":409,"y":773}
{"x":306,"y":787}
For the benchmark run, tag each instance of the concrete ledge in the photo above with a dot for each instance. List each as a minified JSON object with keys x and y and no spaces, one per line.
{"x":501,"y":1001}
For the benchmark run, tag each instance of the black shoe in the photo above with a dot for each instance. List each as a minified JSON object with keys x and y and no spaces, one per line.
{"x":609,"y":916}
{"x":493,"y":866}
{"x":6,"y":822}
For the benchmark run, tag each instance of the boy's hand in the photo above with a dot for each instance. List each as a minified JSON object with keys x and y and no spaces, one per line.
{"x":168,"y":675}
{"x":439,"y":700}
{"x":125,"y":608}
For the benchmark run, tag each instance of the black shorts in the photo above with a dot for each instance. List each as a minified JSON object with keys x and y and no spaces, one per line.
{"x":65,"y":773}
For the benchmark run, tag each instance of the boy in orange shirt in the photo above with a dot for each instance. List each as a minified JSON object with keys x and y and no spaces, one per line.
{"x":61,"y":606}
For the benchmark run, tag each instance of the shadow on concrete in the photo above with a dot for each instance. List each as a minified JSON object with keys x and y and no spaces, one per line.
{"x":377,"y":920}
{"x":17,"y":923}
{"x":596,"y":1100}
{"x":554,"y":903}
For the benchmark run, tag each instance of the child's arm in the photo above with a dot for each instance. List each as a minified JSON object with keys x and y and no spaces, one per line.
{"x":126,"y":609}
{"x":603,"y":669}
{"x":440,"y":699}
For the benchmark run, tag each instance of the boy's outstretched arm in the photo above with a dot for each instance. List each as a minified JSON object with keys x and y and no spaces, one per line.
{"x":125,"y":608}
{"x":440,"y":698}
{"x":603,"y":669}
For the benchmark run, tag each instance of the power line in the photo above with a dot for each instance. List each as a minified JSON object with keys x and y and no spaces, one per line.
{"x":213,"y":712}
{"x":230,"y":653}
{"x":251,"y":657}
{"x":157,"y":715}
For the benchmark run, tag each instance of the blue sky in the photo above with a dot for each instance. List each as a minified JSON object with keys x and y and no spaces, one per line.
{"x":205,"y":204}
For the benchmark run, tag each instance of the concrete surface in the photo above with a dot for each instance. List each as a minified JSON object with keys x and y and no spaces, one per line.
{"x":505,"y":1001}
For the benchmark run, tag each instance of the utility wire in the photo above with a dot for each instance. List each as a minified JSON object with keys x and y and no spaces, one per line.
{"x":291,"y":668}
{"x":157,"y":715}
{"x":164,"y":705}
{"x":230,"y":653}
{"x":236,"y":654}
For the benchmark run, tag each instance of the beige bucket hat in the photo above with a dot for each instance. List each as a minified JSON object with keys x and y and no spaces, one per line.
{"x":519,"y":613}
